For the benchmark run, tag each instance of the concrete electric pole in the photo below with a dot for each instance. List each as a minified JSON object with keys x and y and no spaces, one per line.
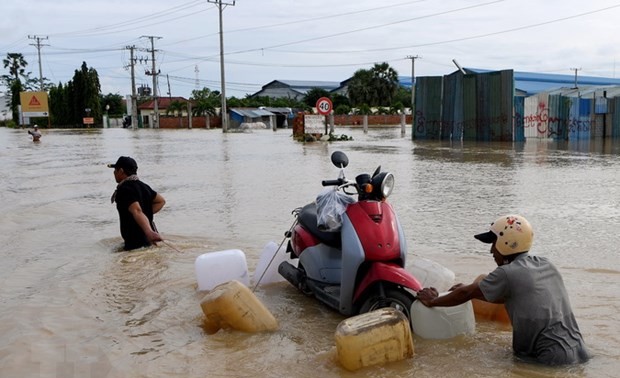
{"x":154,"y":73}
{"x":413,"y":58}
{"x":38,"y":45}
{"x":134,"y":102}
{"x":221,"y":5}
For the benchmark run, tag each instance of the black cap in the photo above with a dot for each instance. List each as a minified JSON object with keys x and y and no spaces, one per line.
{"x":128,"y":164}
{"x":486,"y":237}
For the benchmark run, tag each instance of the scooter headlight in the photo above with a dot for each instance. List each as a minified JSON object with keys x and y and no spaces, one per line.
{"x":387,"y":185}
{"x":382,"y":185}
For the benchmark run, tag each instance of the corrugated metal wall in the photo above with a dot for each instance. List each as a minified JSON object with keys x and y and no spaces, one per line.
{"x":471,"y":107}
{"x":427,"y":119}
{"x":483,"y":107}
{"x":555,"y":116}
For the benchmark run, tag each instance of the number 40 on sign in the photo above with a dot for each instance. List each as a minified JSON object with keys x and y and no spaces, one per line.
{"x":324,"y":106}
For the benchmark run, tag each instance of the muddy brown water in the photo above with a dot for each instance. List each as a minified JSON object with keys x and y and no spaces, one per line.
{"x":72,"y":305}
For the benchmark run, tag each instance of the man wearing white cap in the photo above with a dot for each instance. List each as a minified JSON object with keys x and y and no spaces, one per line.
{"x":532,"y":289}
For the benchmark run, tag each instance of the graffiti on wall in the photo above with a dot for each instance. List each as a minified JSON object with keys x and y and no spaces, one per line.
{"x":551,"y":126}
{"x":425,"y":126}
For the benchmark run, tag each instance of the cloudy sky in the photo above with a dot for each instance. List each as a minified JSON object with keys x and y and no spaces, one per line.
{"x":319,"y":40}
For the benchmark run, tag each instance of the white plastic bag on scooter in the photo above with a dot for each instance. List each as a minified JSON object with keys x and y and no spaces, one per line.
{"x":330,"y":204}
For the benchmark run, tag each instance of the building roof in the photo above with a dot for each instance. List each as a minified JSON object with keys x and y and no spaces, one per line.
{"x":299,"y":87}
{"x":162,"y":102}
{"x":532,"y":82}
{"x":251,"y":112}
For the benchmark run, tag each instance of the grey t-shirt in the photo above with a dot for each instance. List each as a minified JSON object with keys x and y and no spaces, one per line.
{"x":544,"y":327}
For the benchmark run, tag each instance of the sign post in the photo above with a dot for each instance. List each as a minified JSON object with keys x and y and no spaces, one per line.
{"x":324,"y":107}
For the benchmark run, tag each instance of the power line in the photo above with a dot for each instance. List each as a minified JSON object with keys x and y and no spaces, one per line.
{"x":364,"y":28}
{"x":449,"y":40}
{"x":133,"y":22}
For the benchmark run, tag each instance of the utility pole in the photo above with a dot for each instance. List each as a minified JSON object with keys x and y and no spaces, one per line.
{"x":221,"y":5}
{"x":154,"y":73}
{"x":38,"y":45}
{"x":134,"y":102}
{"x":413,"y":58}
{"x":576,"y":69}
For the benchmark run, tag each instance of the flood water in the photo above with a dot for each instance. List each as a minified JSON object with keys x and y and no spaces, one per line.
{"x":73,"y":305}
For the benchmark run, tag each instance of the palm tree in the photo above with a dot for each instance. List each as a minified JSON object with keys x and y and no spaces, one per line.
{"x":205,"y":101}
{"x":360,"y":91}
{"x":385,"y":82}
{"x":177,"y":107}
{"x":16,"y":64}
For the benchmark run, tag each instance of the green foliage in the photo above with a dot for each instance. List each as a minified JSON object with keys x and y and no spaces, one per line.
{"x":313,"y":95}
{"x":333,"y":137}
{"x":375,"y":87}
{"x":69,"y":103}
{"x":15,"y":88}
{"x":339,"y":99}
{"x":342,"y":109}
{"x":402,"y":98}
{"x":115,"y":101}
{"x":16,"y":64}
{"x":177,"y":107}
{"x":364,"y":109}
{"x":205,"y":102}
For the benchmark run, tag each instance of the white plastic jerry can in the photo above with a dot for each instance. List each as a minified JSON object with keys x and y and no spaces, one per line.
{"x":214,"y":268}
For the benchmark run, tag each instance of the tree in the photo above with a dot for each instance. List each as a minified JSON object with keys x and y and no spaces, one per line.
{"x":385,"y":81}
{"x":86,"y":90}
{"x":313,"y":95}
{"x":177,"y":107}
{"x":374,"y":87}
{"x":205,"y":102}
{"x":80,"y":97}
{"x":360,"y":88}
{"x":16,"y":64}
{"x":115,"y":101}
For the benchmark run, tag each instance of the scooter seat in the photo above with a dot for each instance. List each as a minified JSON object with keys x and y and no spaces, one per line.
{"x":308,"y":218}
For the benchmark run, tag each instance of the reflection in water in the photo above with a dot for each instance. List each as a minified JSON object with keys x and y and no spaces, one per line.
{"x":71,"y":305}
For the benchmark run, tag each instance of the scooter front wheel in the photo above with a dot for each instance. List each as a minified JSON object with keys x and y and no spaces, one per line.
{"x":391,"y":297}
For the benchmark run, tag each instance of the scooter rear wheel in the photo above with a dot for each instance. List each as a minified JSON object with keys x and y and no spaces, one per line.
{"x":393,"y":297}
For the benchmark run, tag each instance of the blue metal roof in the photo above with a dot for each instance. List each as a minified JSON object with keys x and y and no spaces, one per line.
{"x":251,"y":112}
{"x":532,"y":83}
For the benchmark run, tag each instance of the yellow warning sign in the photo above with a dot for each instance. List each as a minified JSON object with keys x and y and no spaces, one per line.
{"x":33,"y":102}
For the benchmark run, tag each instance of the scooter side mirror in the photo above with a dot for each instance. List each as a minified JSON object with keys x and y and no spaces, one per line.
{"x":340,"y":159}
{"x":377,"y":171}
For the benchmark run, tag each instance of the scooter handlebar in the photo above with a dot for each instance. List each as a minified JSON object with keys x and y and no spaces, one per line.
{"x":337,"y":182}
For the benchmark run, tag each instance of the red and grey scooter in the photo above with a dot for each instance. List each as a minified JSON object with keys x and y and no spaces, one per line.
{"x":360,"y":267}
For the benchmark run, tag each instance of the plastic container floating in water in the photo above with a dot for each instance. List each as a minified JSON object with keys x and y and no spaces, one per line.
{"x":267,"y":268}
{"x":431,"y":274}
{"x":374,"y":338}
{"x":442,"y":322}
{"x":494,"y":312}
{"x":214,"y":268}
{"x":233,"y":305}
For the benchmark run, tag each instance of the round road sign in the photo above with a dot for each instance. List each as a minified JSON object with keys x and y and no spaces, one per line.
{"x":324,"y":105}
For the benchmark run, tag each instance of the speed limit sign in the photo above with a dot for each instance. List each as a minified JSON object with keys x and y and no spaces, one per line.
{"x":324,"y":105}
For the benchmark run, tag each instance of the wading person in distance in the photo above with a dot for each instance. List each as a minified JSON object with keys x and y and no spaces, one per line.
{"x":136,"y":203}
{"x":36,"y":134}
{"x":532,"y":289}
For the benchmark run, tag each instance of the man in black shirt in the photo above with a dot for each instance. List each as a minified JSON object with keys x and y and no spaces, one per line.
{"x":136,"y":203}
